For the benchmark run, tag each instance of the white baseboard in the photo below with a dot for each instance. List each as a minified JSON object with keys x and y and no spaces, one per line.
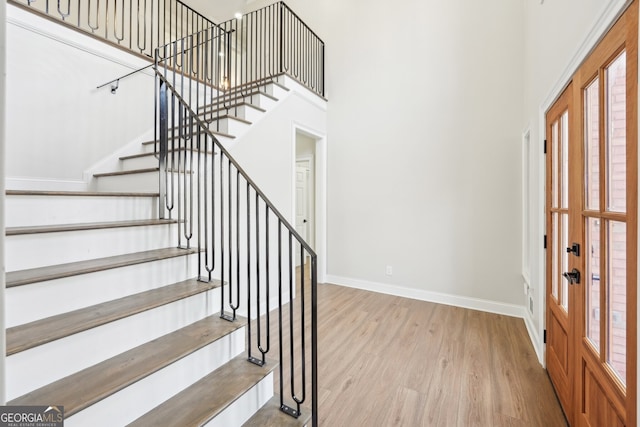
{"x":44,"y":184}
{"x":488,"y":306}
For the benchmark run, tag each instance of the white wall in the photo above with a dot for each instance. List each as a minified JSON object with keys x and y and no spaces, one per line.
{"x":424,"y":132}
{"x":3,"y":39}
{"x":273,"y":138}
{"x":58,"y":123}
{"x":558,"y":35}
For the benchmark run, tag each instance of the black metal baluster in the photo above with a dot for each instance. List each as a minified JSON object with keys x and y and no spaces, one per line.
{"x":115,"y":21}
{"x":222,"y":251}
{"x":265,"y":350}
{"x":261,"y":361}
{"x":250,"y":358}
{"x":97,"y":25}
{"x":64,"y":15}
{"x":303,"y":366}
{"x":280,"y":324}
{"x":230,"y":239}
{"x":202,"y":171}
{"x":163,"y":138}
{"x":238,"y":234}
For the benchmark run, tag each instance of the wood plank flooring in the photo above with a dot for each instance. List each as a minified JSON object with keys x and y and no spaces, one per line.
{"x":391,"y":361}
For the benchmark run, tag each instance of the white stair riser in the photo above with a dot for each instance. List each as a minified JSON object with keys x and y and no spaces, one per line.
{"x":40,"y":300}
{"x":47,"y":210}
{"x":139,"y":398}
{"x":247,"y":112}
{"x":139,"y":182}
{"x":246,"y":405}
{"x":230,"y":126}
{"x":37,"y":250}
{"x":142,"y":182}
{"x":258,"y":99}
{"x":261,"y":100}
{"x":276,"y":90}
{"x":38,"y":366}
{"x":148,"y":148}
{"x":144,"y":162}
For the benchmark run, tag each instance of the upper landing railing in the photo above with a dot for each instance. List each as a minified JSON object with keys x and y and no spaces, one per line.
{"x":136,"y":25}
{"x":252,"y":49}
{"x":273,"y":41}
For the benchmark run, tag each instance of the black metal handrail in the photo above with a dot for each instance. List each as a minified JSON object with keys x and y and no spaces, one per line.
{"x":243,"y":240}
{"x":139,"y":26}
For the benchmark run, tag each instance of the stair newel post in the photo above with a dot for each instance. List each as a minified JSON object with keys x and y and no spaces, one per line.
{"x":163,"y":142}
{"x":314,"y":340}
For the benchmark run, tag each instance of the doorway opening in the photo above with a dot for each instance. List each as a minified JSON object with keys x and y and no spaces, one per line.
{"x":309,"y":191}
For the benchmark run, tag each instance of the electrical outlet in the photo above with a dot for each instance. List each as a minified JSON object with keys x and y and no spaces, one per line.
{"x":389,"y":270}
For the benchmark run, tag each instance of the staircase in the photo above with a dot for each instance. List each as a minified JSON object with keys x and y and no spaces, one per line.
{"x":118,"y":325}
{"x":106,"y":316}
{"x":148,"y":300}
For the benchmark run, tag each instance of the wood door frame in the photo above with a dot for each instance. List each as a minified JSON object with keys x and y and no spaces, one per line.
{"x":320,"y":167}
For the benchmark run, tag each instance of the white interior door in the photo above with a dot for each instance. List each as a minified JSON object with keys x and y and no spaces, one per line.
{"x":302,"y":205}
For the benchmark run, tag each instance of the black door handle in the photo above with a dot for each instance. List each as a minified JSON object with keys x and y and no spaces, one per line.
{"x":575,"y":248}
{"x":572,"y":276}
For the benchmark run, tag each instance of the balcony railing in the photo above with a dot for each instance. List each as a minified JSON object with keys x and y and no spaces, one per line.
{"x":272,"y":41}
{"x":136,"y":25}
{"x":246,"y":52}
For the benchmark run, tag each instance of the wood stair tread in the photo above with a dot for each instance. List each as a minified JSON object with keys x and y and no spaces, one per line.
{"x":270,"y":415}
{"x":23,"y":337}
{"x":40,"y":274}
{"x":55,"y":228}
{"x":81,"y":193}
{"x":99,"y":381}
{"x":221,"y":388}
{"x":134,"y":171}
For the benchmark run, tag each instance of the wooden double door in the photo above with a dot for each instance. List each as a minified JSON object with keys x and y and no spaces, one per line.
{"x":591,"y":208}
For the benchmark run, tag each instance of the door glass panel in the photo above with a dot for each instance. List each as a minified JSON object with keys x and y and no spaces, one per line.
{"x":554,"y":164}
{"x":564,"y":284}
{"x":616,"y":134}
{"x":592,"y":282}
{"x":592,"y":145}
{"x":617,"y":298}
{"x":564,"y":137}
{"x":554,"y":256}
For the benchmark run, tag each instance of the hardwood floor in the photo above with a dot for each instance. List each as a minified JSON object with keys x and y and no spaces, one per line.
{"x":391,"y":361}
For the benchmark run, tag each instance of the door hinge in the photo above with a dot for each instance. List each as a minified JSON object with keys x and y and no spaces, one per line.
{"x":544,"y":336}
{"x":544,"y":242}
{"x":545,"y":146}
